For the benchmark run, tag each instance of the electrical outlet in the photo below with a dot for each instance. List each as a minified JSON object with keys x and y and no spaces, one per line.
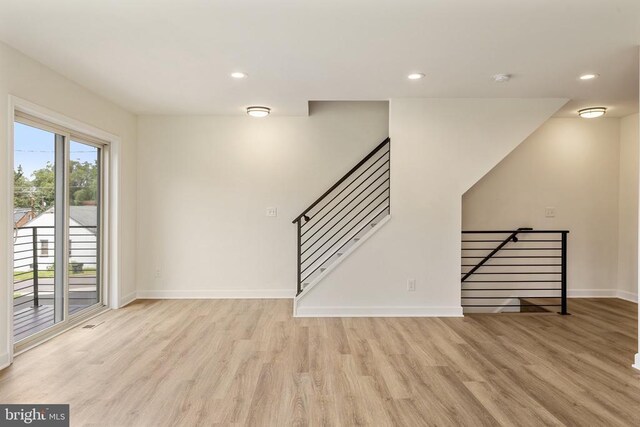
{"x":550,"y":212}
{"x":272,"y":211}
{"x":157,"y":273}
{"x":411,"y":285}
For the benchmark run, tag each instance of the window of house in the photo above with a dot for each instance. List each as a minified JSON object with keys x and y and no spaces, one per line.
{"x":44,"y":248}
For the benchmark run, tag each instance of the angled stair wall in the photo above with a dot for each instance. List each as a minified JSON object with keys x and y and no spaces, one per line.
{"x":344,"y":216}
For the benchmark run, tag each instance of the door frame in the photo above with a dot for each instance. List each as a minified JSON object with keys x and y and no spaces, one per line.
{"x":110,"y":221}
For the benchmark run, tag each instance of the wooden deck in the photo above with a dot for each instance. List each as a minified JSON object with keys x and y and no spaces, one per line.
{"x":248,"y":362}
{"x":30,"y":320}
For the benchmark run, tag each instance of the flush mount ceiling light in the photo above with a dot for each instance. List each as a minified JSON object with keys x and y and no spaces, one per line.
{"x":256,"y":111}
{"x":239,"y":75}
{"x":592,"y":112}
{"x":501,"y":78}
{"x":589,"y":76}
{"x":415,"y":76}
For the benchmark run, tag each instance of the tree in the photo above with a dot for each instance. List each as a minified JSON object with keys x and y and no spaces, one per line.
{"x":44,"y":190}
{"x":22,"y":190}
{"x":83,"y":181}
{"x":40,"y":193}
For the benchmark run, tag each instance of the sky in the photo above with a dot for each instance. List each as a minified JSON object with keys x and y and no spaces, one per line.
{"x":35,"y":147}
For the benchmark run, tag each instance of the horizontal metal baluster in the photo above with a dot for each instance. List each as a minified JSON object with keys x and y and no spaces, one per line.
{"x":513,"y":281}
{"x":519,"y":272}
{"x":530,"y":231}
{"x":515,"y":265}
{"x":512,"y":305}
{"x":513,"y":249}
{"x":516,"y":256}
{"x":511,"y":289}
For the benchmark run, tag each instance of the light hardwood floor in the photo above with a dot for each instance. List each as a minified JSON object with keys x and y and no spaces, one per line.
{"x":248,"y":362}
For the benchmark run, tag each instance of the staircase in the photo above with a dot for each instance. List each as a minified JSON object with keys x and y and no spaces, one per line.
{"x":514,"y":271}
{"x":345,"y":216}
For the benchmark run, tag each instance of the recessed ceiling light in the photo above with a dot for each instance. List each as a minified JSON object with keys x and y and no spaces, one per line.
{"x":592,"y":112}
{"x":501,"y":78}
{"x":415,"y":76}
{"x":238,"y":75}
{"x":589,"y":76}
{"x":257,"y":111}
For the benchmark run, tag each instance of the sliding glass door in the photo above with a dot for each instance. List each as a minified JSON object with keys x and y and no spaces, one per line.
{"x":58,"y":227}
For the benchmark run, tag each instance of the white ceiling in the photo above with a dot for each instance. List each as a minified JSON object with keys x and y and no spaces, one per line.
{"x":174,"y":57}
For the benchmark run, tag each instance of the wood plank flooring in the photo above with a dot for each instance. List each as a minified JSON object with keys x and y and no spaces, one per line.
{"x":248,"y":362}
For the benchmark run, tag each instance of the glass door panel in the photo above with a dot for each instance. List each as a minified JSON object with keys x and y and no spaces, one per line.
{"x":38,"y":290}
{"x":84,"y":226}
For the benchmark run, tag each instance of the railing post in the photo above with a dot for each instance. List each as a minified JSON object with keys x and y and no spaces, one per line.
{"x":299,"y":262}
{"x":564,"y":274}
{"x":36,"y":297}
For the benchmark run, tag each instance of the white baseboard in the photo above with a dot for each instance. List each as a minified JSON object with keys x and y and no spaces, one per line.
{"x":333,"y":311}
{"x":128,"y":299}
{"x":378,"y":311}
{"x":4,"y":360}
{"x":637,"y":364}
{"x":217,"y":294}
{"x":602,"y":293}
{"x":628,"y":296}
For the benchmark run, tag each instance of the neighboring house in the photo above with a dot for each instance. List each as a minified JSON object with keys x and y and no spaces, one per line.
{"x":21,"y":216}
{"x":82,"y":240}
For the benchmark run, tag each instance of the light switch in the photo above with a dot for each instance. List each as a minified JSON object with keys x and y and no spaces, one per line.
{"x":550,"y":212}
{"x":272,"y":211}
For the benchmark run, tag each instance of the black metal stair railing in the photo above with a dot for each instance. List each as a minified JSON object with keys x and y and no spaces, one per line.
{"x":34,"y":283}
{"x":343,"y":214}
{"x":525,"y":271}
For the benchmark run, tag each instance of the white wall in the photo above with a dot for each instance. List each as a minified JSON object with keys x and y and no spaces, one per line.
{"x":569,"y":164}
{"x":628,"y":206}
{"x":439,"y":148}
{"x":204,"y":184}
{"x":23,"y":77}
